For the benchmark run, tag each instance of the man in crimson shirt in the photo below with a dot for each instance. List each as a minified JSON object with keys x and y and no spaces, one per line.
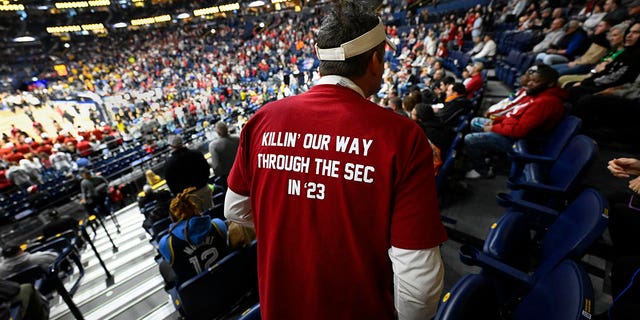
{"x":341,"y":192}
{"x":532,"y":115}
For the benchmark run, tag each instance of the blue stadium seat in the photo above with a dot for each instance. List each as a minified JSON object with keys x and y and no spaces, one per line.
{"x":251,"y":314}
{"x":508,"y":245}
{"x":565,"y":293}
{"x":524,"y":150}
{"x":552,"y":186}
{"x":220,"y":289}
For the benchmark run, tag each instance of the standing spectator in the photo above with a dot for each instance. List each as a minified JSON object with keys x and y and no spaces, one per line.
{"x":476,"y":30}
{"x":188,"y":168}
{"x":223,"y":152}
{"x":93,"y":190}
{"x":351,"y":233}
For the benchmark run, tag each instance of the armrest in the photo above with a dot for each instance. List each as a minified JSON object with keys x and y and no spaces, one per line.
{"x":516,"y":185}
{"x":525,"y":206}
{"x":472,"y":256}
{"x":527,"y":157}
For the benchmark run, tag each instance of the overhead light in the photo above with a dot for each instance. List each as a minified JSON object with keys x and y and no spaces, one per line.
{"x":205,"y":11}
{"x":261,"y":24}
{"x":67,"y":45}
{"x":11,"y":7}
{"x":120,"y":25}
{"x":213,"y":31}
{"x":42,"y":8}
{"x":34,"y":79}
{"x":183,"y":15}
{"x":24,"y":39}
{"x":257,"y":3}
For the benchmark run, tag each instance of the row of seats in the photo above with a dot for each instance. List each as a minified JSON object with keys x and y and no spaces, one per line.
{"x":510,"y":68}
{"x":536,"y":246}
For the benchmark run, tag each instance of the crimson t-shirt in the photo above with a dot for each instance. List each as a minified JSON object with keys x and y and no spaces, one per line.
{"x":334,"y":181}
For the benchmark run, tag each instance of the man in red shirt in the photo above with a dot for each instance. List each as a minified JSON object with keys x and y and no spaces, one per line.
{"x":475,"y":83}
{"x":341,"y":192}
{"x":534,"y":114}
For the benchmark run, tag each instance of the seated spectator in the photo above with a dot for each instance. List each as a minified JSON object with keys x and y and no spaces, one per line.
{"x":507,"y":104}
{"x":475,"y":82}
{"x":488,"y":51}
{"x":572,"y":44}
{"x":552,"y":36}
{"x":456,"y":104}
{"x":596,"y":51}
{"x":615,"y":37}
{"x":616,"y":13}
{"x":395,"y":103}
{"x":160,"y":211}
{"x":438,"y":134}
{"x":535,"y":115}
{"x":477,"y":47}
{"x":19,"y":176}
{"x":623,"y":69}
{"x":32,"y":304}
{"x":615,"y":123}
{"x":194,"y":242}
{"x":16,"y":259}
{"x":590,"y":25}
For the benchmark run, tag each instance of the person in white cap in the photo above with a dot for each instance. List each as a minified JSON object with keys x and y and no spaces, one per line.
{"x":341,"y":192}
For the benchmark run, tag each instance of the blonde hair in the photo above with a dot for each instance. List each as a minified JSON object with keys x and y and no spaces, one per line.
{"x":184,"y":205}
{"x":152,"y":178}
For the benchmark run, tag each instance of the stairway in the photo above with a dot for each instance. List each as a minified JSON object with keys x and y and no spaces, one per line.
{"x":137,"y":289}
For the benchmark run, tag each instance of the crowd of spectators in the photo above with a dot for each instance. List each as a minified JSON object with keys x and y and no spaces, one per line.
{"x":164,"y":80}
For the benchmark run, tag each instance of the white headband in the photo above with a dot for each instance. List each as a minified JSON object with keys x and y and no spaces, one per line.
{"x":356,"y":46}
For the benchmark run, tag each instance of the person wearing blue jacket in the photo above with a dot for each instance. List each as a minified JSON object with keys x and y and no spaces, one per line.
{"x":194,"y":242}
{"x":573,"y":44}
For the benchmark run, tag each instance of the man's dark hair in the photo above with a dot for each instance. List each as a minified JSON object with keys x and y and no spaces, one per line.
{"x":459,"y":89}
{"x":548,"y":74}
{"x":448,"y":80}
{"x":396,"y":102}
{"x":11,"y":250}
{"x":424,"y":112}
{"x":347,"y":20}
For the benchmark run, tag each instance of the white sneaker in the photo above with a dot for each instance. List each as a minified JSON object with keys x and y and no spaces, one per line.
{"x":473,"y":174}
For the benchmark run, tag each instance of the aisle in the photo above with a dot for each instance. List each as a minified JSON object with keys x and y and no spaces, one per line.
{"x":137,"y":291}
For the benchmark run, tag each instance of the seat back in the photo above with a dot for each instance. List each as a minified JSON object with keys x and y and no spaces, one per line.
{"x":509,"y":240}
{"x":565,"y":293}
{"x":159,"y":226}
{"x":566,"y":129}
{"x":575,"y":229}
{"x":251,"y":314}
{"x":219,"y":289}
{"x":573,"y":161}
{"x":448,"y":161}
{"x":472,"y":297}
{"x":31,"y":275}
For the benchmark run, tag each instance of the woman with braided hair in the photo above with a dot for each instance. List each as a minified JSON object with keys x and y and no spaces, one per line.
{"x":195,"y":242}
